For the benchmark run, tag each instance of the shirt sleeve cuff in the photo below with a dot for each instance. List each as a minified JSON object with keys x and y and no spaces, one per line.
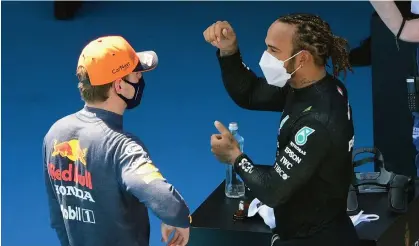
{"x":230,"y":59}
{"x":236,"y":164}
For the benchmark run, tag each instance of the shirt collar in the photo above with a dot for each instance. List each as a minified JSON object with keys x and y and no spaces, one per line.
{"x":112,"y":119}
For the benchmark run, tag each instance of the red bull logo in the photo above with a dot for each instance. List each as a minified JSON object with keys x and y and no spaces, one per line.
{"x":71,"y":150}
{"x":71,"y":174}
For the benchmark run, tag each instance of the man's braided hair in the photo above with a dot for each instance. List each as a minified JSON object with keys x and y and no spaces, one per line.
{"x":314,"y":35}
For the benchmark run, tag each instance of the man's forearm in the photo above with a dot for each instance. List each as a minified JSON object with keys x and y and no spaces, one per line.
{"x":389,"y":13}
{"x":392,"y":18}
{"x":161,"y":197}
{"x":258,"y":178}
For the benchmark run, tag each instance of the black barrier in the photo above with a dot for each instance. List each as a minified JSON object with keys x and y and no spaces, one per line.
{"x":212,"y":223}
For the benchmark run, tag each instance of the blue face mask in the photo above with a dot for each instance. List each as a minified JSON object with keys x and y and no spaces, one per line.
{"x":138,"y":94}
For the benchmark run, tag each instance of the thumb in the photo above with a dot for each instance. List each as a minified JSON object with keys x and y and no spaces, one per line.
{"x":221,"y":128}
{"x":228,"y":33}
{"x":165,"y":233}
{"x":225,"y":32}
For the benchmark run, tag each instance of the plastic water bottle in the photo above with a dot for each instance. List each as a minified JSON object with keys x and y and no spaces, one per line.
{"x":234,"y":185}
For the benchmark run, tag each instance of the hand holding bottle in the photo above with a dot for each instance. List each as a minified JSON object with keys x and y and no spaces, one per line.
{"x":224,"y":145}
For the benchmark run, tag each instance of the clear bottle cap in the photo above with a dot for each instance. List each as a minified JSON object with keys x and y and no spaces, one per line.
{"x":233,"y":126}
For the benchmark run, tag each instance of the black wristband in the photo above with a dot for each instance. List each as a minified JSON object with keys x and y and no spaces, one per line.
{"x":401,"y":28}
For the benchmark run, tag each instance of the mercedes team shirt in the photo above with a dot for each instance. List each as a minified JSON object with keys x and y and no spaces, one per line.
{"x":309,"y":181}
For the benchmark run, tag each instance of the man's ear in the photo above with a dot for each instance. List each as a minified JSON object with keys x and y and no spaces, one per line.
{"x":304,"y":58}
{"x":117,"y":85}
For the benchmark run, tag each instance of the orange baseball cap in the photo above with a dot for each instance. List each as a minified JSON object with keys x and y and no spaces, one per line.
{"x":107,"y":59}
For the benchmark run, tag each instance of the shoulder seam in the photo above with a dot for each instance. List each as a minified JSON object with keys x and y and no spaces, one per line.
{"x":316,"y":116}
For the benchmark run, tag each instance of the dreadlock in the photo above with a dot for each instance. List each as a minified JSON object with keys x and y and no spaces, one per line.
{"x":314,"y":35}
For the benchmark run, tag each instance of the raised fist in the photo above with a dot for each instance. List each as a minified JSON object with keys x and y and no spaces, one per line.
{"x":221,"y":35}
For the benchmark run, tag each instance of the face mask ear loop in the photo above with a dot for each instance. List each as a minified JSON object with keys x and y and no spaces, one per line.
{"x":293,"y":56}
{"x":296,"y":70}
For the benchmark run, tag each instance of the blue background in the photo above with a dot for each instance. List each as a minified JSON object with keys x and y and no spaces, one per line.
{"x":182,"y":98}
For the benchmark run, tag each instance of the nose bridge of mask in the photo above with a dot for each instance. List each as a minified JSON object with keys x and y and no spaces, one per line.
{"x":270,"y":61}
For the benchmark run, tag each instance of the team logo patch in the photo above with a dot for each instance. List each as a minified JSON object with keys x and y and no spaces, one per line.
{"x":302,"y":135}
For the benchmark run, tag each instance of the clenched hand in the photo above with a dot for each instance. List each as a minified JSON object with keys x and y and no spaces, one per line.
{"x":221,"y":35}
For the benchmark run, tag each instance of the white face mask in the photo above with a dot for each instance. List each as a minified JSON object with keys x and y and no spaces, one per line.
{"x":361,"y":217}
{"x":274,"y":70}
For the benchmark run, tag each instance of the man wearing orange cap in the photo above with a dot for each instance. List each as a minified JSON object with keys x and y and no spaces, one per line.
{"x":100,"y":179}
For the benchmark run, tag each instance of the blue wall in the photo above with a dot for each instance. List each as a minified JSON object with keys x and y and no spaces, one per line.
{"x":182,"y":98}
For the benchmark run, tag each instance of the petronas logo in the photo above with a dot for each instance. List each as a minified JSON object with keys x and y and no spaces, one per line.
{"x":302,"y":135}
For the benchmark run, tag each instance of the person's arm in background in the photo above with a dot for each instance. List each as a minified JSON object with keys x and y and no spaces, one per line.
{"x":293,"y":168}
{"x":391,"y":16}
{"x":56,"y":218}
{"x":140,"y":177}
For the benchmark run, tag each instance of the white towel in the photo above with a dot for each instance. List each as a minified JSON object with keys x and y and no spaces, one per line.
{"x":267,"y":213}
{"x":268,"y":216}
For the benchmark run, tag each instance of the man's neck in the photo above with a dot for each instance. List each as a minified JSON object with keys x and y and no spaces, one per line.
{"x":107,"y":106}
{"x":307,"y":79}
